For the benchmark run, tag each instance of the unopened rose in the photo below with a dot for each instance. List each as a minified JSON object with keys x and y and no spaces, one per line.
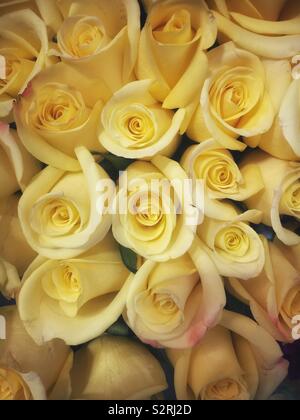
{"x":116,"y":368}
{"x":75,"y":299}
{"x":17,"y":166}
{"x":154,"y":213}
{"x":223,"y":180}
{"x":256,"y":26}
{"x":14,"y":249}
{"x":50,"y":363}
{"x":281,"y":196}
{"x":58,"y":112}
{"x":173,"y":304}
{"x":171,"y":52}
{"x":59,"y":211}
{"x":135,"y":126}
{"x":273,"y":296}
{"x":100,"y":39}
{"x":23,"y":53}
{"x":234,"y":246}
{"x":237,"y":360}
{"x":235,"y":101}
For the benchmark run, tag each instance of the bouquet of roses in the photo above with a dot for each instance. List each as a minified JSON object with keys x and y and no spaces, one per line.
{"x":149,"y":199}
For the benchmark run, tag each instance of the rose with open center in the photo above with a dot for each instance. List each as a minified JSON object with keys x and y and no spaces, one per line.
{"x":77,"y":299}
{"x":59,"y":112}
{"x":236,"y":361}
{"x":173,"y":304}
{"x":273,"y":296}
{"x":23,"y":54}
{"x":223,"y":179}
{"x":135,"y":126}
{"x":59,"y":211}
{"x":235,"y":100}
{"x":154,"y":214}
{"x":99,"y":38}
{"x":171,"y":52}
{"x":280,"y":200}
{"x":234,"y":246}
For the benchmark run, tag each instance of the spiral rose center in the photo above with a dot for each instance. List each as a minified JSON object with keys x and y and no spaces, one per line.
{"x":165,"y":304}
{"x":176,"y":29}
{"x":226,"y":389}
{"x":291,"y":305}
{"x":12,"y":386}
{"x":291,"y":200}
{"x":233,"y":241}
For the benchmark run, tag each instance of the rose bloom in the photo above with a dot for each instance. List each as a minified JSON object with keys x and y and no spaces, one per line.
{"x":171,"y":52}
{"x":173,"y":304}
{"x":116,"y":368}
{"x":75,"y":299}
{"x":280,"y":200}
{"x":273,"y":296}
{"x":58,"y":112}
{"x":214,"y":165}
{"x":99,"y":38}
{"x":29,"y":371}
{"x":17,"y":166}
{"x":59,"y":210}
{"x":237,"y":360}
{"x":266,"y":28}
{"x":23,"y":53}
{"x":234,"y":246}
{"x":158,"y":221}
{"x":135,"y":126}
{"x":235,"y":100}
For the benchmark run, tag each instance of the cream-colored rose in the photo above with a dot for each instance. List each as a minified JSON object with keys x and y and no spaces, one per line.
{"x":223,"y":180}
{"x":154,"y":214}
{"x":74,"y":299}
{"x":274,"y":296}
{"x":14,"y":249}
{"x":15,"y":386}
{"x":50,"y":363}
{"x":60,"y":211}
{"x":58,"y":112}
{"x":116,"y":368}
{"x":259,"y":27}
{"x":282,"y":140}
{"x":171,"y":52}
{"x":17,"y":166}
{"x":237,"y":360}
{"x":173,"y":304}
{"x":281,"y":196}
{"x":234,"y":246}
{"x":135,"y":126}
{"x":100,"y":39}
{"x":235,"y":100}
{"x":23,"y":54}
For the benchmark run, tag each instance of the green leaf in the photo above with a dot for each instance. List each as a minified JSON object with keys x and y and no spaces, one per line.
{"x":119,"y":329}
{"x":118,"y":162}
{"x":129,"y":258}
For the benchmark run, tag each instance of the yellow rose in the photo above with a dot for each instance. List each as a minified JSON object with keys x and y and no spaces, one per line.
{"x":235,"y":101}
{"x":135,"y":125}
{"x":281,"y":196}
{"x":15,"y":386}
{"x":116,"y":368}
{"x":223,"y":180}
{"x":281,"y":140}
{"x":273,"y":296}
{"x":50,"y":363}
{"x":10,"y":281}
{"x":17,"y":166}
{"x":259,"y":27}
{"x":237,"y":360}
{"x":173,"y":304}
{"x":74,"y":299}
{"x":171,"y":52}
{"x":23,"y":53}
{"x":60,"y":212}
{"x":58,"y":112}
{"x":14,"y":248}
{"x":235,"y":248}
{"x":154,"y":214}
{"x":100,"y":38}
